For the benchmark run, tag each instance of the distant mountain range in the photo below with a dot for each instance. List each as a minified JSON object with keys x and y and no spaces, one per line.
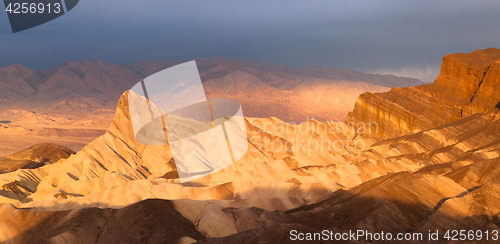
{"x":291,"y":94}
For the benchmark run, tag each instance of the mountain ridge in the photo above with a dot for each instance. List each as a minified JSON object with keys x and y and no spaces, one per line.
{"x":91,"y":85}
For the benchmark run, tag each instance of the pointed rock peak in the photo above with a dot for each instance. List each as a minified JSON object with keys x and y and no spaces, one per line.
{"x":479,"y":59}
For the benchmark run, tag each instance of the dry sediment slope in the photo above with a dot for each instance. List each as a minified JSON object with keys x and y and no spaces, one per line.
{"x":281,"y":170}
{"x":34,"y":157}
{"x":436,"y":198}
{"x":467,"y":84}
{"x":455,"y":186}
{"x":444,"y":178}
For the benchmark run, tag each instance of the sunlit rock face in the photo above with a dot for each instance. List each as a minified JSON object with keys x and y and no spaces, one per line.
{"x":466,"y":85}
{"x":286,"y":166}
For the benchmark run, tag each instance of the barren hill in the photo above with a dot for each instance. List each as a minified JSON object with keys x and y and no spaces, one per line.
{"x":34,"y":157}
{"x":18,"y":83}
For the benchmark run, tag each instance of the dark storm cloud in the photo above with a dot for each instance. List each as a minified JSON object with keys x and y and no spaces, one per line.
{"x":401,"y":37}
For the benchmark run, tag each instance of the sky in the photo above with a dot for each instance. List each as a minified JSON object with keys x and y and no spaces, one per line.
{"x":404,"y":38}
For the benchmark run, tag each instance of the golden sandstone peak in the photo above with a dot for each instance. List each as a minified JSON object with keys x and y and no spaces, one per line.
{"x":479,"y":59}
{"x":464,"y":87}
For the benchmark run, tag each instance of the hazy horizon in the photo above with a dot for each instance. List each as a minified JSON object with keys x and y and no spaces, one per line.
{"x":385,"y":37}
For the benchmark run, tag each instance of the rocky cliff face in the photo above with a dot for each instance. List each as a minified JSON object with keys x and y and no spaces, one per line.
{"x":466,"y":85}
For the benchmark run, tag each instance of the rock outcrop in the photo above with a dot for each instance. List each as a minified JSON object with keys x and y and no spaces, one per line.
{"x":466,"y":85}
{"x":34,"y":157}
